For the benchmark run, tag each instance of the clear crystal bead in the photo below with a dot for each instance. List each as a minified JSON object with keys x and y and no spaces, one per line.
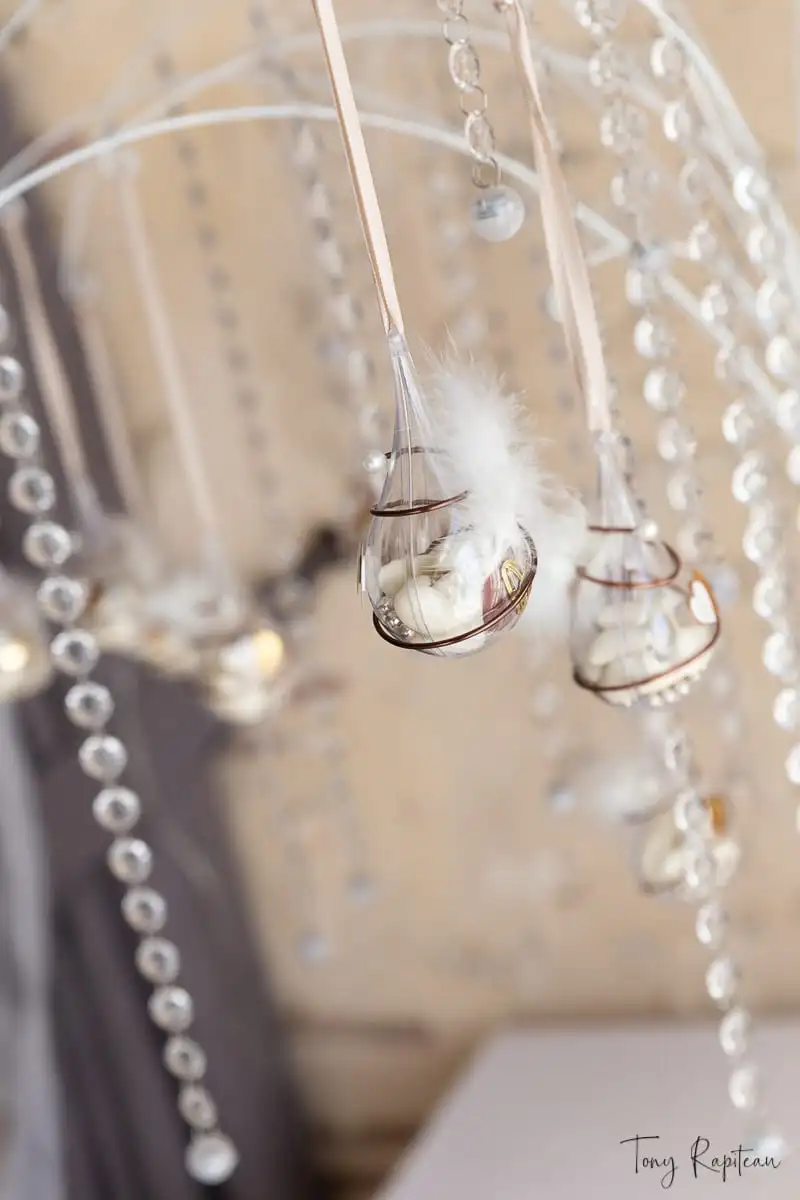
{"x":793,"y":465}
{"x":375,"y":462}
{"x":772,"y":302}
{"x":641,"y":287}
{"x":623,"y":128}
{"x":768,"y":1143}
{"x":675,"y":442}
{"x":74,"y":651}
{"x":787,"y":412}
{"x":651,"y":338}
{"x":479,"y":135}
{"x":701,"y":242}
{"x":19,"y":435}
{"x":12,"y":379}
{"x":711,"y":925}
{"x":116,"y":809}
{"x":184,"y":1059}
{"x":779,"y":655}
{"x":793,"y":765}
{"x":781,"y":357}
{"x":761,"y":245}
{"x":734,"y":1032}
{"x":738,"y":424}
{"x":600,"y":16}
{"x":683,"y":491}
{"x":130,"y":860}
{"x":678,"y":121}
{"x":89,"y":705}
{"x":722,"y":980}
{"x":692,"y":181}
{"x":32,"y":490}
{"x":786,"y":709}
{"x":714,"y":304}
{"x":761,"y":538}
{"x":497,"y":214}
{"x":46,"y":544}
{"x":103,"y":756}
{"x":211,"y":1158}
{"x":743,"y":1087}
{"x":197,"y":1107}
{"x":144,"y":909}
{"x":750,"y":189}
{"x":633,"y":186}
{"x":158,"y":960}
{"x":770,"y":597}
{"x":663,"y":389}
{"x":464,"y":65}
{"x":62,"y":599}
{"x":667,"y":60}
{"x":171,"y":1009}
{"x":699,"y":871}
{"x":749,"y":479}
{"x":690,"y":812}
{"x":609,"y":67}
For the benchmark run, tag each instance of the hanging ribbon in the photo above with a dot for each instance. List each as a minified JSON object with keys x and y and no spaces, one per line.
{"x":358,"y":163}
{"x":567,"y":261}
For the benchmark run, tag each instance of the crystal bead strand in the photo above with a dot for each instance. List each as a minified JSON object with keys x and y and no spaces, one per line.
{"x":723,"y":976}
{"x":498,"y":212}
{"x":227,"y":317}
{"x":62,"y":596}
{"x":623,"y":129}
{"x":358,"y":365}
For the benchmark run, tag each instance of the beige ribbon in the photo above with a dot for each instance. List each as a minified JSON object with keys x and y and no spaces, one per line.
{"x":567,"y":262}
{"x":358,"y":163}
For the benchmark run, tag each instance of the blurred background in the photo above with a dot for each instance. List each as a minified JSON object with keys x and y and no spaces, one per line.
{"x":371,"y":859}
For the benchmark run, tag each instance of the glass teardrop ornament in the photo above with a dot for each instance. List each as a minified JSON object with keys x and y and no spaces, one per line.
{"x":440,"y":577}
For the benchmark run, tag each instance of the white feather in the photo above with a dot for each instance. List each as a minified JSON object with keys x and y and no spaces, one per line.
{"x":489,"y":450}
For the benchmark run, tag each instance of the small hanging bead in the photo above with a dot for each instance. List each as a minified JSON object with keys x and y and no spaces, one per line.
{"x":74,"y":651}
{"x":497,"y":214}
{"x":31,"y":490}
{"x":61,"y":599}
{"x":19,"y":435}
{"x":130,"y":860}
{"x":211,"y":1158}
{"x":47,"y":544}
{"x":103,"y":757}
{"x":116,"y":809}
{"x":144,"y":909}
{"x":171,"y":1009}
{"x":184,"y":1059}
{"x":158,"y":960}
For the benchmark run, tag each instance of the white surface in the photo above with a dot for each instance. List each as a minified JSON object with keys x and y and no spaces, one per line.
{"x":540,"y":1116}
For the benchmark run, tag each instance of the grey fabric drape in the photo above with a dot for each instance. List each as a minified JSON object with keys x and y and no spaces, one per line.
{"x":30,"y":1154}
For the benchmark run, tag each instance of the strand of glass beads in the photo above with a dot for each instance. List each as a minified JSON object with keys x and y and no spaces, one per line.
{"x":723,"y":976}
{"x":62,"y":596}
{"x":498,"y":212}
{"x":623,"y":129}
{"x":348,"y":354}
{"x":246,"y":391}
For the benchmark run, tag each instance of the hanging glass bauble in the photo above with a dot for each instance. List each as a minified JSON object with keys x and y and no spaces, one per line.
{"x":643,"y":629}
{"x":443,"y":577}
{"x":245,"y":679}
{"x":663,"y":857}
{"x":184,"y":615}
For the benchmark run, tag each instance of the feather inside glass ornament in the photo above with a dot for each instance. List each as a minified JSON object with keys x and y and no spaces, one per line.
{"x":642,"y":629}
{"x":448,"y":564}
{"x":449,"y":561}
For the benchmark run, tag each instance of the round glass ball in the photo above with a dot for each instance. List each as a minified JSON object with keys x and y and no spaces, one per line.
{"x":184,"y":1058}
{"x":130,"y":860}
{"x":144,"y":909}
{"x":116,"y":809}
{"x":211,"y":1158}
{"x":89,"y":705}
{"x":32,"y":490}
{"x":158,"y":960}
{"x":196,"y":1106}
{"x":497,"y":214}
